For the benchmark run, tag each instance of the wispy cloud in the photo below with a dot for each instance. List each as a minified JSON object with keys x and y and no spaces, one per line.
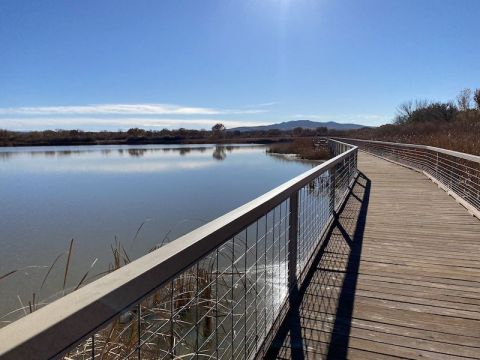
{"x":130,"y":109}
{"x":93,"y":123}
{"x":265,"y":104}
{"x":124,"y":116}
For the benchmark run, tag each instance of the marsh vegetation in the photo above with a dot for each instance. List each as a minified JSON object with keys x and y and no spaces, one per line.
{"x":453,"y":125}
{"x":303,"y":148}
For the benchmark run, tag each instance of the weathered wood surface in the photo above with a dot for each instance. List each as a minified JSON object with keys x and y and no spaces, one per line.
{"x":399,"y":276}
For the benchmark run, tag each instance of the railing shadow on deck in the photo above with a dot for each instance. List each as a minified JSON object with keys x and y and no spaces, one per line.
{"x":320,"y":317}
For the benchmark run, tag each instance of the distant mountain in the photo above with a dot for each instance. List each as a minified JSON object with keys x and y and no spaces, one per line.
{"x":306,"y":124}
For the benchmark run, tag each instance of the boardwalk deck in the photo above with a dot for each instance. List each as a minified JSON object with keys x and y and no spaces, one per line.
{"x":399,"y":276}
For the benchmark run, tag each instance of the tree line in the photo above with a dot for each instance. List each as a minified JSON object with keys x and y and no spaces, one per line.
{"x":452,"y":125}
{"x":467,"y":101}
{"x":217,"y":134}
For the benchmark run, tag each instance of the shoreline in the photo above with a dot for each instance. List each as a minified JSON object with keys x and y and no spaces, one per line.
{"x":261,"y":141}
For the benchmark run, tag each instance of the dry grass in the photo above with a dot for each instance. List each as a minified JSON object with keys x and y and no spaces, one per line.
{"x":304,"y":148}
{"x":193,"y":299}
{"x":462,"y":134}
{"x":150,"y":322}
{"x":191,"y":296}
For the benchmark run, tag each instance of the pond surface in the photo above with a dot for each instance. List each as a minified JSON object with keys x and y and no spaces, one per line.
{"x":131,"y":198}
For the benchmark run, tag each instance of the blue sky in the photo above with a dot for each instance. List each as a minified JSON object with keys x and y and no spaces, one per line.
{"x":116,"y":64}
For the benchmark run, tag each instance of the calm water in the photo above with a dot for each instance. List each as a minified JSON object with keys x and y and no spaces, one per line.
{"x":100,"y":195}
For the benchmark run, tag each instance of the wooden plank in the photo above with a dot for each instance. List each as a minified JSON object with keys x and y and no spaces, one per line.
{"x":404,"y":281}
{"x":313,"y":331}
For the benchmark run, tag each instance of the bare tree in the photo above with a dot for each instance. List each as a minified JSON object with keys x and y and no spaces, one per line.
{"x":476,"y":98}
{"x":464,"y":99}
{"x":406,"y":110}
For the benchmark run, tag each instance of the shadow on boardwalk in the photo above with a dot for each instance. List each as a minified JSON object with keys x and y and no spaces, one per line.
{"x":319,"y":321}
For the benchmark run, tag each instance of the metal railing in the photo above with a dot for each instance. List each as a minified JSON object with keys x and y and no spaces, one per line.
{"x":455,"y":172}
{"x":219,"y":291}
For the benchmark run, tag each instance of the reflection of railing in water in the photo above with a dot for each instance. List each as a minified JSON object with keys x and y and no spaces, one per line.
{"x":457,"y":173}
{"x":219,"y":291}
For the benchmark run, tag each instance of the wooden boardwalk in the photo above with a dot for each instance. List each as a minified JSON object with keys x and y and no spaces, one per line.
{"x":399,"y":276}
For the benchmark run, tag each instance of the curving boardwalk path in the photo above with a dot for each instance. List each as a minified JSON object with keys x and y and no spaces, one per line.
{"x":398,"y":277}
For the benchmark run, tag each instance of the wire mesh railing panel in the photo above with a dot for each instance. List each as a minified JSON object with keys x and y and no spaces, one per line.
{"x":457,"y":172}
{"x":222,"y":306}
{"x":318,"y":201}
{"x":314,"y":212}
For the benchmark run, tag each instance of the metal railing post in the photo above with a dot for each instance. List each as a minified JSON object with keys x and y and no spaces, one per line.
{"x":332,"y":187}
{"x":293,"y":241}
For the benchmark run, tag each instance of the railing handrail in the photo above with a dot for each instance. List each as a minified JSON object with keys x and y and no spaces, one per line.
{"x":53,"y":329}
{"x":458,"y":173}
{"x":459,"y":154}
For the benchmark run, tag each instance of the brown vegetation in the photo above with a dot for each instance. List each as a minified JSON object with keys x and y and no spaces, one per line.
{"x":304,"y":148}
{"x":189,"y":297}
{"x":445,"y":125}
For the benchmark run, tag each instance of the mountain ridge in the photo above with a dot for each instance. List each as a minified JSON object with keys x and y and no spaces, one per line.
{"x":306,"y":124}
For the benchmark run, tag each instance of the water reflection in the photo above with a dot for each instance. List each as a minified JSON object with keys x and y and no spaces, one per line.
{"x":289,"y":158}
{"x":100,"y":194}
{"x":118,"y":159}
{"x":5,"y":155}
{"x":136,"y":152}
{"x":219,"y":152}
{"x":126,"y":159}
